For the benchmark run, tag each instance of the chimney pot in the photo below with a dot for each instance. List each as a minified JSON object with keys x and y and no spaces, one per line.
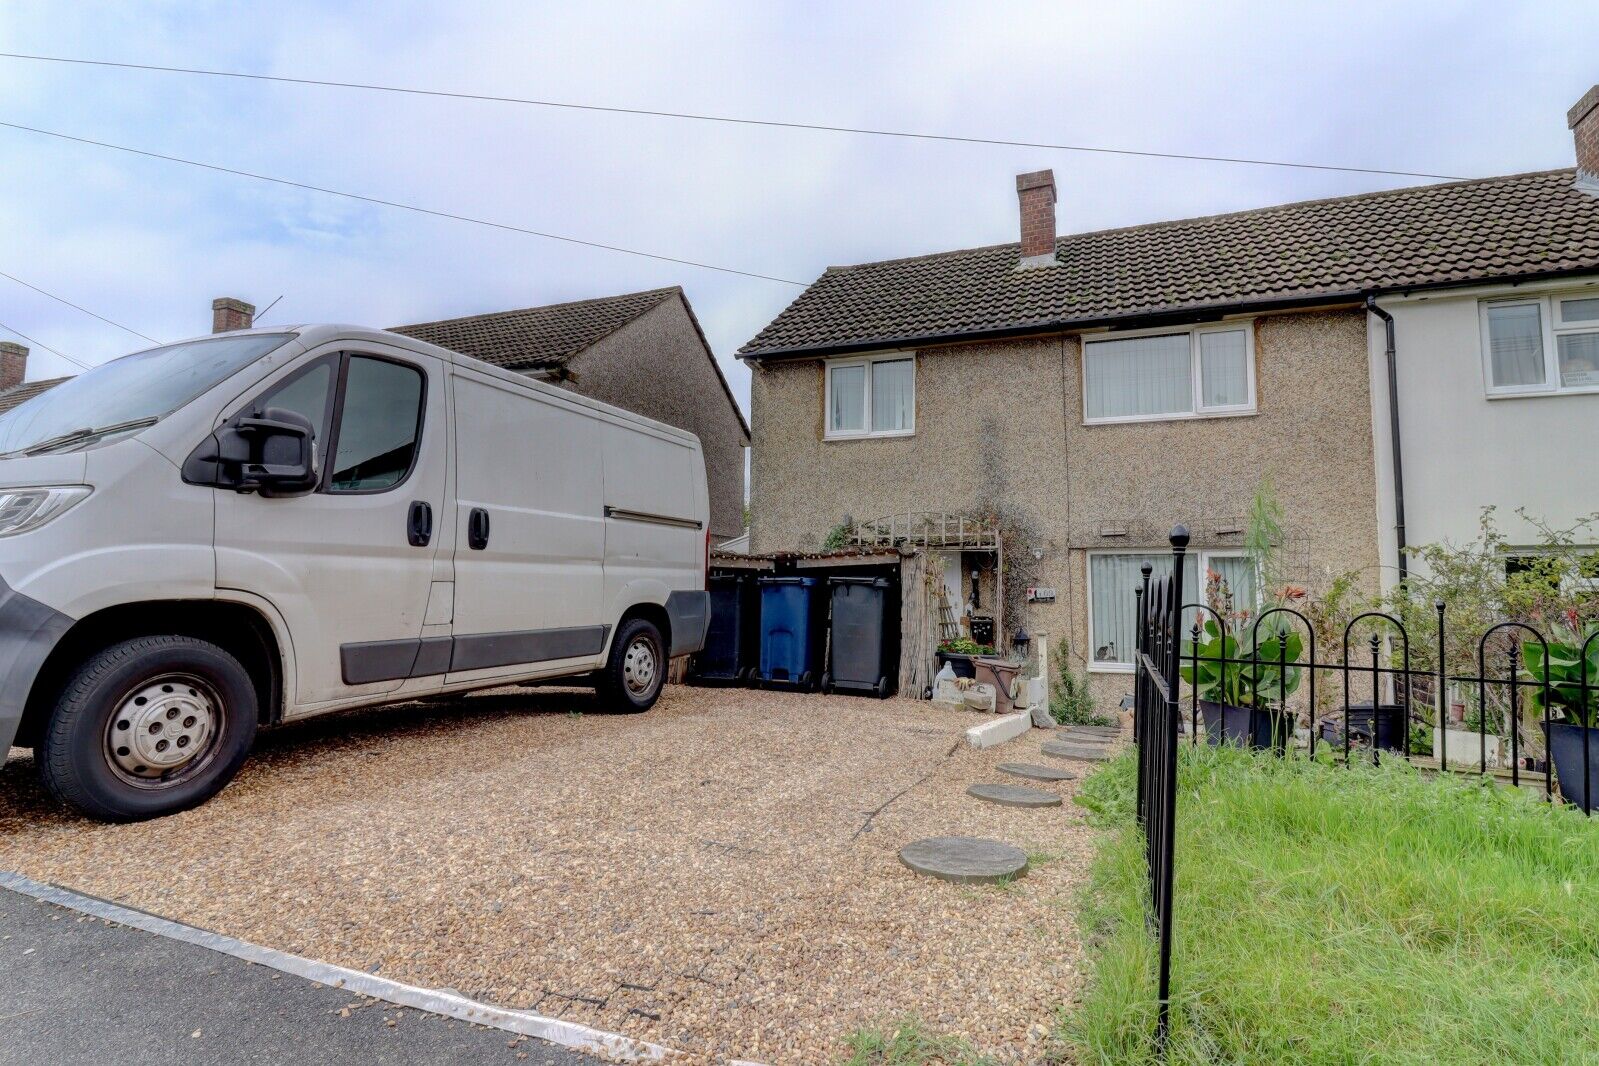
{"x":228,"y":314}
{"x":1035,"y":195}
{"x":13,"y":364}
{"x":1583,"y":121}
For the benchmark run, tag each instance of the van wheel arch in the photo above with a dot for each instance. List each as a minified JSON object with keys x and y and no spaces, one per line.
{"x":653,"y":613}
{"x":239,"y":629}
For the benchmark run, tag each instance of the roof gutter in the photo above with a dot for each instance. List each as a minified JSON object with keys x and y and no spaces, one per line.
{"x":1393,"y":431}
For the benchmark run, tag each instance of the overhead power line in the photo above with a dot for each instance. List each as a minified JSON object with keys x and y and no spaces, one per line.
{"x":75,"y":307}
{"x":401,"y":206}
{"x":730,"y":119}
{"x":46,"y":347}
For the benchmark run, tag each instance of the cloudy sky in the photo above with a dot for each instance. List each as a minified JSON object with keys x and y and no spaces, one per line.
{"x":1456,"y":88}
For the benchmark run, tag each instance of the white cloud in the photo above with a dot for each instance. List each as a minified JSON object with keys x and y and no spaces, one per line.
{"x":1451,"y":87}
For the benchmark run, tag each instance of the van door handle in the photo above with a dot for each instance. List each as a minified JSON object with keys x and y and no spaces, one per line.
{"x":477,"y":529}
{"x":419,"y":524}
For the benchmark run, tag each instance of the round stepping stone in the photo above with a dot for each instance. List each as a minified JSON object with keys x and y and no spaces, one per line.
{"x":1035,"y":772}
{"x":1065,"y":749}
{"x":1014,"y":796}
{"x":964,"y":860}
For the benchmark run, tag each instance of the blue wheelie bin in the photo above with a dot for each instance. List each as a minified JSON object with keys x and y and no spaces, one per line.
{"x":793,"y":617}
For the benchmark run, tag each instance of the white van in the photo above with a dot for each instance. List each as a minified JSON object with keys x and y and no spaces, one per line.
{"x":240,"y":530}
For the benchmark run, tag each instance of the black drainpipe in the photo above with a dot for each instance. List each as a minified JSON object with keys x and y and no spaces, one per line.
{"x":1393,"y":432}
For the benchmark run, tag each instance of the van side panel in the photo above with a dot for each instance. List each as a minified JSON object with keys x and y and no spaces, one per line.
{"x":532,"y":596}
{"x":656,"y":511}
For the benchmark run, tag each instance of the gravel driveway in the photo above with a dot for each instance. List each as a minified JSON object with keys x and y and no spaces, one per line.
{"x":718,"y":875}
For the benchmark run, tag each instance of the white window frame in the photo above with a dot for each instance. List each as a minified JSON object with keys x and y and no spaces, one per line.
{"x":1197,"y":409}
{"x":1201,"y":557}
{"x":829,"y":433}
{"x":1551,"y":327}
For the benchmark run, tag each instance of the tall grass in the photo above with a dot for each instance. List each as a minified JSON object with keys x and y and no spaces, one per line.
{"x":1346,"y":915}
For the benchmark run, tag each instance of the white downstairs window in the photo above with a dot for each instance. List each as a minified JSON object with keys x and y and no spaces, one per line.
{"x":1541,"y":345}
{"x":1178,"y":374}
{"x":871,"y":397}
{"x":1112,"y":606}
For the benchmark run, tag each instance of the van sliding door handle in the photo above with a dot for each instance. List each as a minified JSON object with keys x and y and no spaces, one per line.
{"x":419,"y":524}
{"x":477,"y":529}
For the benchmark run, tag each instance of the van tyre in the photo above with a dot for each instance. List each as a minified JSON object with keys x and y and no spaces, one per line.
{"x":636,"y":670}
{"x":148,"y":727}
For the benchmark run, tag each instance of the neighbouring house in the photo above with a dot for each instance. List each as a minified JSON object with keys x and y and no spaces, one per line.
{"x":1090,"y":390}
{"x":1498,"y":377}
{"x":643,"y":351}
{"x":13,"y":369}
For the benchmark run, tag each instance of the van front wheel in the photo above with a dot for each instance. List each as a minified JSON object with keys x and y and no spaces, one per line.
{"x":636,"y":670}
{"x":148,"y":727}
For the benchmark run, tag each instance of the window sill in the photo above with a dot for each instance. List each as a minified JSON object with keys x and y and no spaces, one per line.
{"x":1532,"y":394}
{"x":896,"y":434}
{"x":1189,"y":417}
{"x":1110,"y":668}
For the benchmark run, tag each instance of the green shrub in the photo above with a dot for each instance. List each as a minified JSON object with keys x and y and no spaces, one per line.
{"x":1071,"y":701}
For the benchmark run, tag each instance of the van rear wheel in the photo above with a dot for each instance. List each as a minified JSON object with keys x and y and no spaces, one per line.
{"x":636,"y":670}
{"x":148,"y":727}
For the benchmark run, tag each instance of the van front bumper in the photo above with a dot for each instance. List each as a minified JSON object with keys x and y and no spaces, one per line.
{"x":29,"y":631}
{"x":690,"y":615}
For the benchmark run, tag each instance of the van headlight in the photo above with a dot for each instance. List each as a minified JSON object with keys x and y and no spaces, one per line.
{"x":30,"y":508}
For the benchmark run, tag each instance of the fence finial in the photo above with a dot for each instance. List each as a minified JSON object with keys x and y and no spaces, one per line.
{"x":1179,"y":536}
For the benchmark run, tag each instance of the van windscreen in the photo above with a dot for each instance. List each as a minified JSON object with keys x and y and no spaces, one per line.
{"x":133,"y":391}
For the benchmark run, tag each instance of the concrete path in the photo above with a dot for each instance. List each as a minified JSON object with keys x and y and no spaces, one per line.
{"x":76,"y":990}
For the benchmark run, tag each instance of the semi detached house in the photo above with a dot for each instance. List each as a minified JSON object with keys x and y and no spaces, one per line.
{"x":1394,"y":362}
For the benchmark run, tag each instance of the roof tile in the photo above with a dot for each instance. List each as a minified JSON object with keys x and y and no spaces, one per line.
{"x":1460,"y":231}
{"x":536,"y":338}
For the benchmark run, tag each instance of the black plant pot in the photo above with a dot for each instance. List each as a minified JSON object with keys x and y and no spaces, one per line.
{"x":1247,"y":727}
{"x":1566,"y":741}
{"x":961,"y":664}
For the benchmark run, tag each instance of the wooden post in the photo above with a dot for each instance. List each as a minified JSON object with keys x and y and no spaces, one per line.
{"x":999,"y":594}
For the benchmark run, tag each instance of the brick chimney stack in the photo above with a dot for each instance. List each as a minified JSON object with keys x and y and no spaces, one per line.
{"x":229,"y":314}
{"x":1584,"y":123}
{"x":1036,"y":194}
{"x":13,"y":364}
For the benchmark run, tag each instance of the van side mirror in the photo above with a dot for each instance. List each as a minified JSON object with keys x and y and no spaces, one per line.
{"x":272,"y":452}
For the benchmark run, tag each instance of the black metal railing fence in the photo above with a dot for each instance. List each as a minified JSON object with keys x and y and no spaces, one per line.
{"x":1166,"y":646}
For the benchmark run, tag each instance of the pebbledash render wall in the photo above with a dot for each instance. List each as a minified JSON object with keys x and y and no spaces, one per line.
{"x":1004,"y":421}
{"x":659,"y":366}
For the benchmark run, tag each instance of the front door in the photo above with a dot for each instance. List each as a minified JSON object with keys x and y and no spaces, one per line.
{"x":345,"y":565}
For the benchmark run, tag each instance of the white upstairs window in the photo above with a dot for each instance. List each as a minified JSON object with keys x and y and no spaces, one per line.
{"x":1180,"y":374}
{"x":871,"y":397}
{"x":1541,"y":345}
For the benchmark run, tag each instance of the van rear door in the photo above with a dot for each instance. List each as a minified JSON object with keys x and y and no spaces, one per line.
{"x":530,"y":532}
{"x":346,"y":566}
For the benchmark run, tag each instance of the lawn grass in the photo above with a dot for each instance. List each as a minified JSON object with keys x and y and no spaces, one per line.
{"x":1331,"y":914}
{"x":910,"y":1043}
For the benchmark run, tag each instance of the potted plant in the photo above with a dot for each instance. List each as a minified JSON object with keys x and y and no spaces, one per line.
{"x":1243,"y":696}
{"x":1560,"y":675}
{"x":958,"y":654}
